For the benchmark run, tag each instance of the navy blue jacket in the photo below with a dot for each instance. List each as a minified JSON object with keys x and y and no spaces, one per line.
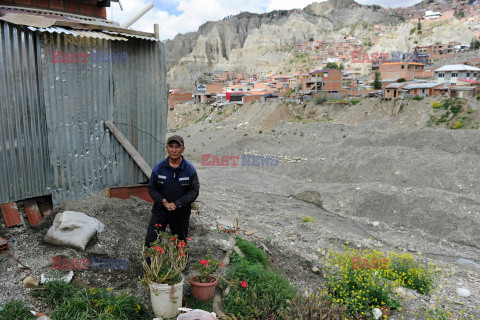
{"x":178,"y":185}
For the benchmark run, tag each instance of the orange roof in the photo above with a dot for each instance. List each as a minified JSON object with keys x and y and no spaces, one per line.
{"x":404,"y":62}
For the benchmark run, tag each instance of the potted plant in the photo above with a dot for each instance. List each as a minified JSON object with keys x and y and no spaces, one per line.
{"x":163,"y":262}
{"x":203,"y":285}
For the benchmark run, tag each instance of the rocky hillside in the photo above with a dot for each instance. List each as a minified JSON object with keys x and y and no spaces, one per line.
{"x":251,"y":42}
{"x":263,"y":42}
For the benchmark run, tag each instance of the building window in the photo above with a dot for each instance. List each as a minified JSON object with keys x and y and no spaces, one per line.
{"x":454,"y":74}
{"x":468,"y":74}
{"x":441,"y":75}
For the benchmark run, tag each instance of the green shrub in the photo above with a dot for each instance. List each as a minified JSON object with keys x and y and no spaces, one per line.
{"x":478,"y":96}
{"x":354,"y":101}
{"x":251,"y":252}
{"x":321,"y":100}
{"x":469,"y":111}
{"x":265,"y":294}
{"x":458,"y":124}
{"x":436,"y":105}
{"x":358,"y":279}
{"x":418,"y":98}
{"x":15,"y":310}
{"x":307,"y":219}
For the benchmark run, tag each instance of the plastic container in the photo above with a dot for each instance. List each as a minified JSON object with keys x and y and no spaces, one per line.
{"x":166,"y":299}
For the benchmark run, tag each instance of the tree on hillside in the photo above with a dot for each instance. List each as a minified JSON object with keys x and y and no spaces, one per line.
{"x":475,"y":44}
{"x":419,"y":25}
{"x":377,"y":85}
{"x":334,"y":65}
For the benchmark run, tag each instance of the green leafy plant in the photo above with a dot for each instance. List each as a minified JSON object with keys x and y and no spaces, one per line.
{"x":206,"y":267}
{"x":436,"y":105}
{"x":417,"y":98}
{"x":259,"y":293}
{"x":165,"y":259}
{"x":15,"y":310}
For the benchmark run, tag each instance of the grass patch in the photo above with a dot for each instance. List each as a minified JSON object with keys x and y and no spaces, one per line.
{"x":55,"y":292}
{"x":14,"y":309}
{"x":458,"y":125}
{"x":355,"y":102}
{"x":72,"y":302}
{"x":252,"y":253}
{"x":307,"y":219}
{"x":418,"y":98}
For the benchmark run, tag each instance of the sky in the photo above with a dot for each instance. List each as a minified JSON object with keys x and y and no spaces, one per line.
{"x":181,"y":16}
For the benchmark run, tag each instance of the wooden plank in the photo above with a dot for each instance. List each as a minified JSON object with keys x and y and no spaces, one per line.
{"x":11,"y":214}
{"x":249,"y":233}
{"x":130,"y":149}
{"x":139,"y":191}
{"x":84,"y":25}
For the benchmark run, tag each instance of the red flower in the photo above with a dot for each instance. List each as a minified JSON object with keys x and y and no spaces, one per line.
{"x":173,"y":238}
{"x":182,"y":254}
{"x":222,"y":264}
{"x":243,"y":284}
{"x":204,"y":262}
{"x":157,"y":225}
{"x":189,"y":238}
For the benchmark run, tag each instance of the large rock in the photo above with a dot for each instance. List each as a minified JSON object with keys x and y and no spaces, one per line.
{"x":73,"y":229}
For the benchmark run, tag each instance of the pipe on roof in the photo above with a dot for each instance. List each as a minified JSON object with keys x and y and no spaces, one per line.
{"x":137,"y":16}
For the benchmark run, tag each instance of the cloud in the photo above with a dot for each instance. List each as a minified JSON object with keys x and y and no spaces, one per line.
{"x":181,"y":16}
{"x":289,"y":4}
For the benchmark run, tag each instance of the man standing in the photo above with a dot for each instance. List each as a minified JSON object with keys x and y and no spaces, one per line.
{"x":173,"y":186}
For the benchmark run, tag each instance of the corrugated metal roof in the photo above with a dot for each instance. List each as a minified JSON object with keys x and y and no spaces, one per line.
{"x":457,"y":67}
{"x":395,"y":85}
{"x":428,"y":85}
{"x":79,"y":33}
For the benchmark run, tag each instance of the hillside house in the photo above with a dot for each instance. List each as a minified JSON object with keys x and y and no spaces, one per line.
{"x":392,"y":71}
{"x":450,"y":74}
{"x":326,"y":80}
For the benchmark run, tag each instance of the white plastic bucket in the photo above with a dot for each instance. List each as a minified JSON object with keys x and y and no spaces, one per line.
{"x":161,"y":296}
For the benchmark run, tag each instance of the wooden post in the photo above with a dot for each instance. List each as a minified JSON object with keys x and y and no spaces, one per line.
{"x":156,"y":31}
{"x":130,"y":149}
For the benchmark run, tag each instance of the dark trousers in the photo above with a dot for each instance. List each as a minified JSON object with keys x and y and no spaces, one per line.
{"x":177,"y":220}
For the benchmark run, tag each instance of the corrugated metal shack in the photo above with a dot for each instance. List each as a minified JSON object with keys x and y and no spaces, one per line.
{"x":58,"y":85}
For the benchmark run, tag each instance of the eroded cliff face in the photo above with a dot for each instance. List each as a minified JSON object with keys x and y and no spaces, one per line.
{"x":263,"y":42}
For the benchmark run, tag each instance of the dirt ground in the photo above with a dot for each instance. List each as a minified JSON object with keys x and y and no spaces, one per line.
{"x":371,"y":175}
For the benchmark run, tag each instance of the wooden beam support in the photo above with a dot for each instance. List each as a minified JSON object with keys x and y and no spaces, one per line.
{"x":130,"y":149}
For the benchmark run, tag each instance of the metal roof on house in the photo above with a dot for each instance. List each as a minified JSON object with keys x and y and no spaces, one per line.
{"x":457,"y":67}
{"x":395,"y":85}
{"x":79,"y":33}
{"x":428,"y":85}
{"x":75,"y":27}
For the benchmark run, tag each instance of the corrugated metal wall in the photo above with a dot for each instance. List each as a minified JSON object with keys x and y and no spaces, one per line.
{"x":78,"y":99}
{"x":24,"y":166}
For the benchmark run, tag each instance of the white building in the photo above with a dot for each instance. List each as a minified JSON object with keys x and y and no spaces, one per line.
{"x":450,"y":74}
{"x":432,"y":15}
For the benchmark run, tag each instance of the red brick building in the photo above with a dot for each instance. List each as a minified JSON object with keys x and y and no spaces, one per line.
{"x":93,"y":8}
{"x":326,"y":80}
{"x":179,"y":98}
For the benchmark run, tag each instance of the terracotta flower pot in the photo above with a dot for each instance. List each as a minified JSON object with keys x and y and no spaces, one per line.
{"x":203,"y":291}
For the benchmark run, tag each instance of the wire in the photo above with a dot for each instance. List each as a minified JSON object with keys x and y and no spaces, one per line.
{"x":124,"y":124}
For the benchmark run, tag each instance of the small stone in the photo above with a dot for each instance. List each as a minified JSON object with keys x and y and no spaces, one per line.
{"x":463,"y":292}
{"x":30,"y":282}
{"x":316,"y":270}
{"x":375,"y":223}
